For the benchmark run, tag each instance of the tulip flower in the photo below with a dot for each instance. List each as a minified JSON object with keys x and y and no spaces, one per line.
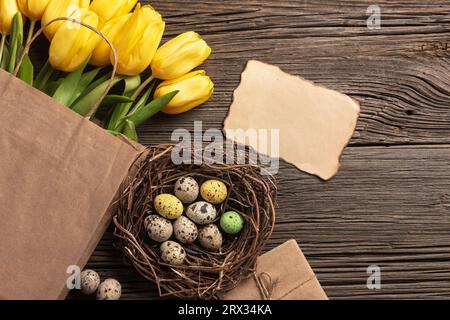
{"x":59,"y":9}
{"x":101,"y":55}
{"x":194,"y":89}
{"x":110,"y":9}
{"x":8,"y":9}
{"x":33,"y":9}
{"x":179,"y":56}
{"x":138,"y":40}
{"x":71,"y":46}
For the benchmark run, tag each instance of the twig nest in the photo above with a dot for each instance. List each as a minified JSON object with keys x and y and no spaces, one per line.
{"x":215,"y":262}
{"x":214,"y":191}
{"x":168,"y":206}
{"x":185,"y":230}
{"x":187,"y":189}
{"x":89,"y":281}
{"x":210,"y":237}
{"x":172,"y":253}
{"x":202,"y":212}
{"x":110,"y":289}
{"x":158,"y":228}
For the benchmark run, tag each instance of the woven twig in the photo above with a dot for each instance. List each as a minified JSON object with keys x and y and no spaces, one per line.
{"x":205,"y":274}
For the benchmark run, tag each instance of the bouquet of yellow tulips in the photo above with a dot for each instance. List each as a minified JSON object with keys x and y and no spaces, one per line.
{"x":78,"y":69}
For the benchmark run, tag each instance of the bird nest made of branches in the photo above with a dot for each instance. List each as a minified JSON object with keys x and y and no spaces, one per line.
{"x":204,"y":274}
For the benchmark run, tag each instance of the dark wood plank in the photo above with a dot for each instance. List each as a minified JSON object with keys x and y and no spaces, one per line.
{"x":388,"y":206}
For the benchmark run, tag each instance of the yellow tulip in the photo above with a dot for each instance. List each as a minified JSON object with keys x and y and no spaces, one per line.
{"x":101,"y":55}
{"x":8,"y":9}
{"x":59,"y":9}
{"x":33,"y":9}
{"x":73,"y":44}
{"x":179,"y":56}
{"x":110,"y":9}
{"x":194,"y":89}
{"x":138,"y":40}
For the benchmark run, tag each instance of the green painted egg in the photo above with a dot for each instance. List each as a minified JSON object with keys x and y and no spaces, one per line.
{"x":232,"y":222}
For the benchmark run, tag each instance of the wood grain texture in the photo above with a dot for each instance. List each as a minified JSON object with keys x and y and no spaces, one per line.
{"x":390,"y":203}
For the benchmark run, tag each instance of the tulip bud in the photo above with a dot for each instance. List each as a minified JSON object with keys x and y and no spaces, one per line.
{"x":179,"y":56}
{"x":138,"y":40}
{"x":101,"y":55}
{"x":8,"y":9}
{"x":33,"y":9}
{"x":194,"y":89}
{"x":73,"y":44}
{"x":60,"y":9}
{"x":110,"y":9}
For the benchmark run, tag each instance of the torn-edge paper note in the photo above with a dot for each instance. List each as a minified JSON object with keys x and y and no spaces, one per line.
{"x":315,"y":123}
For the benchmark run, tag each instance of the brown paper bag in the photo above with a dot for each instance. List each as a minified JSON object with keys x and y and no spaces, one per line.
{"x":59,"y":175}
{"x":281,"y":274}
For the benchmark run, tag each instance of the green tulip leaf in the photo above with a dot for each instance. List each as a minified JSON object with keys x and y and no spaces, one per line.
{"x":114,"y":133}
{"x":51,"y":87}
{"x":15,"y":39}
{"x":129,"y":130}
{"x":114,"y":99}
{"x":5,"y":60}
{"x":26,"y":70}
{"x":85,"y":80}
{"x":41,"y":75}
{"x":143,"y":100}
{"x":87,"y":102}
{"x":68,"y":87}
{"x":96,"y":83}
{"x":121,"y":110}
{"x":131,"y":84}
{"x":138,"y":117}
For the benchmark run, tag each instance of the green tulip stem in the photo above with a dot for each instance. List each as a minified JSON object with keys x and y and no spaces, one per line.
{"x":31,"y":31}
{"x":46,"y":77}
{"x":2,"y":47}
{"x":142,"y":87}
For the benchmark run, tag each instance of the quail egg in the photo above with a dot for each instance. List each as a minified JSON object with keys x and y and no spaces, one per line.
{"x":90,"y":280}
{"x":158,"y":228}
{"x":172,"y":253}
{"x":110,"y":289}
{"x":214,"y":191}
{"x":232,"y":222}
{"x":185,"y":230}
{"x":201,"y":212}
{"x":187,"y":189}
{"x":210,"y":238}
{"x":169,"y":206}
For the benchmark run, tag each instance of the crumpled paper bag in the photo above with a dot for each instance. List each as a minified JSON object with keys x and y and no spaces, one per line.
{"x":59,"y":175}
{"x":281,"y":274}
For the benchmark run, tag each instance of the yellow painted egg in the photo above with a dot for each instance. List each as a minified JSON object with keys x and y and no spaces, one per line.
{"x":214,"y":191}
{"x":168,"y":206}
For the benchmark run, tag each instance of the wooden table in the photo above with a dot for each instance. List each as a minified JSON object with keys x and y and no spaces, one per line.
{"x":390,"y":203}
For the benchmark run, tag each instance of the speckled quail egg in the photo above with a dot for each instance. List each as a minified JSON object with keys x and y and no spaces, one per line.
{"x":110,"y":289}
{"x":158,"y":228}
{"x":172,"y":253}
{"x":214,"y":191}
{"x":201,"y":212}
{"x":187,"y":189}
{"x":210,"y":238}
{"x":90,"y":280}
{"x":185,"y":230}
{"x":169,"y":206}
